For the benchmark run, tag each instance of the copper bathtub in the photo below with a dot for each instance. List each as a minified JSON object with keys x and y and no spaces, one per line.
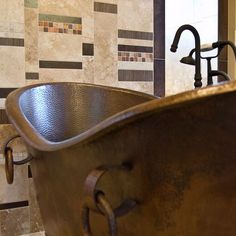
{"x":109,"y":161}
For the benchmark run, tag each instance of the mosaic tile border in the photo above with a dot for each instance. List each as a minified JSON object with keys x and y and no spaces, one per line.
{"x":129,"y":34}
{"x":135,"y":53}
{"x":135,"y":56}
{"x":135,"y":75}
{"x":60,"y":24}
{"x":105,"y":7}
{"x":60,"y":65}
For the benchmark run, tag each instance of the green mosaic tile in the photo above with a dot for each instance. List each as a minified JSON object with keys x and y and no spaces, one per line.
{"x":31,"y":3}
{"x":62,"y":19}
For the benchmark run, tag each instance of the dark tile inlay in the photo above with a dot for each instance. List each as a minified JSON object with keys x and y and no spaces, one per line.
{"x":16,"y":42}
{"x":60,"y":19}
{"x":159,"y":78}
{"x":5,"y":91}
{"x":10,"y":205}
{"x":135,"y":75}
{"x":29,"y":172}
{"x":88,"y":49}
{"x":135,"y":34}
{"x":60,"y":64}
{"x":105,"y":7}
{"x":3,"y":117}
{"x":31,"y":76}
{"x":131,"y":48}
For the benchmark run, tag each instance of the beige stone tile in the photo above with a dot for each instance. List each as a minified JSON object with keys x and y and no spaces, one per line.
{"x":105,"y":49}
{"x":136,"y":42}
{"x":61,"y":47}
{"x":107,"y":1}
{"x":36,"y":224}
{"x":19,"y":190}
{"x":34,"y":234}
{"x":135,"y":15}
{"x":60,"y":75}
{"x":31,"y":40}
{"x":7,"y":131}
{"x":12,"y":11}
{"x":145,"y":87}
{"x":15,"y":221}
{"x":12,"y":66}
{"x":88,"y":69}
{"x":2,"y":103}
{"x":135,"y":65}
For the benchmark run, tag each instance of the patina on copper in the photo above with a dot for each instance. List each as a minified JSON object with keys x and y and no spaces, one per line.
{"x":181,"y":149}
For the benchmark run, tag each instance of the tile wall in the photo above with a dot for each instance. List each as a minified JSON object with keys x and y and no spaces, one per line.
{"x":108,"y":42}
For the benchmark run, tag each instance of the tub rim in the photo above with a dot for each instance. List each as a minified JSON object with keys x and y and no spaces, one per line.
{"x":110,"y":124}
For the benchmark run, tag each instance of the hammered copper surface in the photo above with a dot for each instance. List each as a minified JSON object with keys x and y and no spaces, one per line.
{"x":181,"y":149}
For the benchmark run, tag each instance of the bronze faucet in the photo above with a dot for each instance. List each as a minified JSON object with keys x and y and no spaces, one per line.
{"x":174,"y":46}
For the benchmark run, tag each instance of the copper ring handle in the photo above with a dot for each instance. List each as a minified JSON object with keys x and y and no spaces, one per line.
{"x":95,"y":200}
{"x":9,"y":160}
{"x":9,"y":165}
{"x":106,"y":208}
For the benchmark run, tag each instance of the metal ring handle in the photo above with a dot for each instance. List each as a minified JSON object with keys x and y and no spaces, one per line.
{"x":9,"y":165}
{"x":106,"y":208}
{"x":9,"y":160}
{"x":90,"y":190}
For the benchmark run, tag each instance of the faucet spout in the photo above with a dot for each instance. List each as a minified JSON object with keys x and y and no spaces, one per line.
{"x":174,"y":46}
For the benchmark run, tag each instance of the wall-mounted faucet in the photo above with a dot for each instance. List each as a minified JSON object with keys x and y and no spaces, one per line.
{"x":174,"y":46}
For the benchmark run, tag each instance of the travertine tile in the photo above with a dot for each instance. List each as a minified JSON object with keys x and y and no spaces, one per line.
{"x":12,"y":66}
{"x":60,"y":75}
{"x":19,"y":190}
{"x":145,"y":87}
{"x":31,"y":40}
{"x":35,"y":234}
{"x":105,"y":49}
{"x":135,"y":15}
{"x":36,"y":224}
{"x":7,"y":131}
{"x":60,"y":47}
{"x":15,"y":222}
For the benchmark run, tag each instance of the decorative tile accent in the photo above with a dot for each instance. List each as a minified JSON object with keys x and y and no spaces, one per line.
{"x":31,"y":76}
{"x":135,"y":75}
{"x":29,"y":172}
{"x":60,"y":24}
{"x":60,"y":64}
{"x":11,"y":205}
{"x":88,"y":49}
{"x":105,"y":7}
{"x":135,"y":34}
{"x":135,"y":56}
{"x":3,"y":117}
{"x":135,"y":53}
{"x":5,"y":91}
{"x":16,"y":42}
{"x":132,"y":48}
{"x":31,"y":3}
